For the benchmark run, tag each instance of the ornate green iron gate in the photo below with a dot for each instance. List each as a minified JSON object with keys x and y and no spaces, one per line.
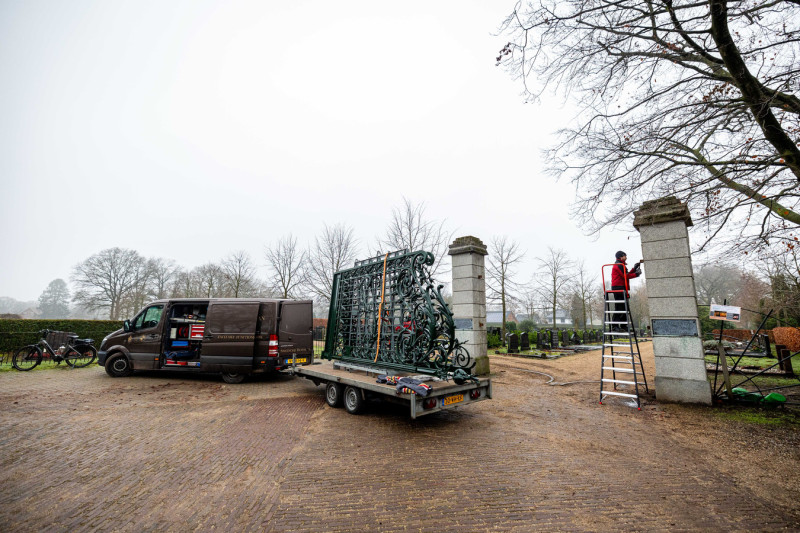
{"x":392,"y":298}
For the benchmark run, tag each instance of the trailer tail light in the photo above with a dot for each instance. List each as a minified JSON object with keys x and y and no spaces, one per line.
{"x":273,"y":346}
{"x":429,"y":403}
{"x":475,"y":394}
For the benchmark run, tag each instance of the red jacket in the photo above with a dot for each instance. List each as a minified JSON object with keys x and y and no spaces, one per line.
{"x":619,"y":275}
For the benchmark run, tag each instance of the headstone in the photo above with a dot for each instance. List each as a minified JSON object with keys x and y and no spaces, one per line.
{"x":554,"y":338}
{"x":784,"y":361}
{"x":524,"y":342}
{"x":513,"y":343}
{"x":767,"y":347}
{"x":541,"y":339}
{"x":565,"y":338}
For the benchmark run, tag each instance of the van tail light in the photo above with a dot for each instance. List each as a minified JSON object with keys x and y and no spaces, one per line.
{"x":273,"y":346}
{"x":475,"y":394}
{"x":429,"y":403}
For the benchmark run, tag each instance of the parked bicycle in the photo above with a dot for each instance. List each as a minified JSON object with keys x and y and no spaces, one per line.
{"x":76,"y":352}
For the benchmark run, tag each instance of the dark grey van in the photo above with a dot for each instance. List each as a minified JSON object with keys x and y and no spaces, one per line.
{"x":232,"y":336}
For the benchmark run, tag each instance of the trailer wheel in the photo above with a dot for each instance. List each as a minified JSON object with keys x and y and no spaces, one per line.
{"x":353,"y":402}
{"x":232,"y":377}
{"x":333,"y":394}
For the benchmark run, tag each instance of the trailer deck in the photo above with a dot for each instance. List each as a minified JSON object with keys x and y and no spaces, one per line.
{"x":353,"y":384}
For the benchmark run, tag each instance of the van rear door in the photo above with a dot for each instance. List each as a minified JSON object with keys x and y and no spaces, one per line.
{"x":295,"y":332}
{"x":229,"y":336}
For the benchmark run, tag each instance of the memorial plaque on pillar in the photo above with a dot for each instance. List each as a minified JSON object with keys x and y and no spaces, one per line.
{"x":675,"y":327}
{"x":463,"y":323}
{"x":524,"y":342}
{"x":513,"y":344}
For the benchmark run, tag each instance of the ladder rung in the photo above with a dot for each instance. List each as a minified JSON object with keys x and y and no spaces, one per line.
{"x":618,"y":345}
{"x":613,"y":393}
{"x":617,"y":333}
{"x":618,"y":369}
{"x":625,"y":357}
{"x":619,"y":381}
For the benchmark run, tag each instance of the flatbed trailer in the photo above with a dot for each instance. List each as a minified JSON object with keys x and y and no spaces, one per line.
{"x":352,"y":385}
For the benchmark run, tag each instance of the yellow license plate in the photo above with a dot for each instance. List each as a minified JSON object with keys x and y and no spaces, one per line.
{"x":297,"y":360}
{"x":450,"y":400}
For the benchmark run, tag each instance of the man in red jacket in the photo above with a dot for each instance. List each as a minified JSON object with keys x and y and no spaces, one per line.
{"x":619,"y":282}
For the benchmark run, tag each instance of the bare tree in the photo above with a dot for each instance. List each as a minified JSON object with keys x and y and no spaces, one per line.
{"x":411,"y":229}
{"x":504,"y":256}
{"x":692,"y":99}
{"x":287,"y":264}
{"x":582,"y":289}
{"x":334,"y":250}
{"x":54,"y":300}
{"x":182,"y":285}
{"x":106,"y":279}
{"x":529,"y":300}
{"x":553,"y":276}
{"x":163,"y":273}
{"x":784,"y":277}
{"x":239,"y":275}
{"x":716,"y":283}
{"x":639,"y":308}
{"x":208,"y":281}
{"x":140,"y":291}
{"x":752,"y":296}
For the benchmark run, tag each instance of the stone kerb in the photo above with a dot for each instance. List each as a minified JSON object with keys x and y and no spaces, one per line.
{"x":469,"y":298}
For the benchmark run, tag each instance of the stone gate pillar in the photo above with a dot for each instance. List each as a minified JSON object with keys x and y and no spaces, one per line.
{"x":469,"y":298}
{"x":671,"y":297}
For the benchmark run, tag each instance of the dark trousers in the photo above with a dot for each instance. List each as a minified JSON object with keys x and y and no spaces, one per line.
{"x":619,"y":307}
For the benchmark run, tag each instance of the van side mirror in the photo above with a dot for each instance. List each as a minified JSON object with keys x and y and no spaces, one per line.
{"x":126,"y":325}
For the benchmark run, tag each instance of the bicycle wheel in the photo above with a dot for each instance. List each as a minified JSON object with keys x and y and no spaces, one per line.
{"x":80,"y":356}
{"x":27,"y":357}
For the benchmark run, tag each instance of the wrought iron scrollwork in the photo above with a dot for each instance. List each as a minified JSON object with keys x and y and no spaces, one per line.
{"x":387,"y":311}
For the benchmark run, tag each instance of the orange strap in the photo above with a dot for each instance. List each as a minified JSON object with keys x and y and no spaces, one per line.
{"x":380,"y":309}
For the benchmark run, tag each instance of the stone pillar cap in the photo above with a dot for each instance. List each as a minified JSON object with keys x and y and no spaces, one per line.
{"x":469,"y":244}
{"x":660,"y":210}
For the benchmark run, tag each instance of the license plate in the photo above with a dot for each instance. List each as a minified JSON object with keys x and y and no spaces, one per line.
{"x":297,"y":360}
{"x":450,"y":400}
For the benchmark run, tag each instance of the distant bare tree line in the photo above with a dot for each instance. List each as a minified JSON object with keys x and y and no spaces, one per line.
{"x":566,"y":284}
{"x":115,"y":283}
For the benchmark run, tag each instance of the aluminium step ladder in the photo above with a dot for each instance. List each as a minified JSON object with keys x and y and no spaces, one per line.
{"x":621,"y":370}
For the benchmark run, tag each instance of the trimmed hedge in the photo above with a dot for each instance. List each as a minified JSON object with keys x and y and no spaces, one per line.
{"x":19,"y":332}
{"x":789,"y":337}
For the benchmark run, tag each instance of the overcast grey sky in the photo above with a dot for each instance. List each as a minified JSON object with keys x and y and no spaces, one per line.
{"x":191,"y":129}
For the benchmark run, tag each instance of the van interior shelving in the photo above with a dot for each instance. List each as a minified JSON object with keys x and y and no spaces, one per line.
{"x":186,"y":327}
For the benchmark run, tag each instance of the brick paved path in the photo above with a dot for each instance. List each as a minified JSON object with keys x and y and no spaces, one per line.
{"x":81,"y":452}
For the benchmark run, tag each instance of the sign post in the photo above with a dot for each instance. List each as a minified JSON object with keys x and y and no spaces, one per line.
{"x":724,"y":312}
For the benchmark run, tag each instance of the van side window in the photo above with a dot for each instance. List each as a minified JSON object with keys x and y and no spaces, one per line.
{"x":149,"y":318}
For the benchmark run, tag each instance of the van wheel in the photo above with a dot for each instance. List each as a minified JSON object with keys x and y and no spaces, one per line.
{"x":353,"y":402}
{"x":118,"y":366}
{"x":333,"y":394}
{"x":232,"y":377}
